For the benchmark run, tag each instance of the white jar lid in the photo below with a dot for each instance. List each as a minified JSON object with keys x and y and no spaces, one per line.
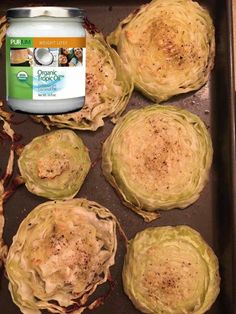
{"x":25,"y":12}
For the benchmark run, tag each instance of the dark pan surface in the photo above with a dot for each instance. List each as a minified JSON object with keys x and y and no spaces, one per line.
{"x":213,"y":215}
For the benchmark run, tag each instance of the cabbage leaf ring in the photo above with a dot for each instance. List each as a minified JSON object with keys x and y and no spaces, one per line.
{"x":54,"y":165}
{"x":171,"y":270}
{"x":167,"y":46}
{"x":158,"y":157}
{"x":62,"y":251}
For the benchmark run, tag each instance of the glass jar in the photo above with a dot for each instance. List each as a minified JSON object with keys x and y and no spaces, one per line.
{"x":45,"y":60}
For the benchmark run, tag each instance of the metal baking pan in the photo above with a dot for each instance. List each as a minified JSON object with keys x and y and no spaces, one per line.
{"x":213,"y":215}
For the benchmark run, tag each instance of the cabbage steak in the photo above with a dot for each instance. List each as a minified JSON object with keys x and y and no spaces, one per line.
{"x":158,"y":157}
{"x":54,"y":165}
{"x":167,"y":46}
{"x":62,"y":251}
{"x":171,"y":270}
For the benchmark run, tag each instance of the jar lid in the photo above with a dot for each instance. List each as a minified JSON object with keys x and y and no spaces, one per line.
{"x":25,"y":12}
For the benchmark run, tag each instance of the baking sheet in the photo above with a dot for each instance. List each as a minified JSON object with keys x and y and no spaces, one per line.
{"x":213,"y":215}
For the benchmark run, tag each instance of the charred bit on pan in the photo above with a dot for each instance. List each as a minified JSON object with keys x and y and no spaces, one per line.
{"x":97,"y":159}
{"x":99,"y":301}
{"x":90,"y":27}
{"x":16,"y":182}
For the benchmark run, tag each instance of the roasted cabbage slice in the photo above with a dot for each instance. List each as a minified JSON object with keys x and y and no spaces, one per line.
{"x":108,"y":89}
{"x":158,"y":157}
{"x":3,"y":29}
{"x":4,"y":178}
{"x":168,"y":47}
{"x":62,"y":251}
{"x":171,"y":270}
{"x":55,"y":164}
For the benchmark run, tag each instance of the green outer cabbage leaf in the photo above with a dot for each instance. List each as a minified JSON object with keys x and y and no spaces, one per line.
{"x":108,"y":89}
{"x":55,"y":164}
{"x":171,"y":270}
{"x":158,"y":157}
{"x":167,"y":46}
{"x":62,"y":251}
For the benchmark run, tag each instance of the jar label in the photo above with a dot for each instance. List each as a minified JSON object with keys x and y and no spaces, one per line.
{"x":45,"y":68}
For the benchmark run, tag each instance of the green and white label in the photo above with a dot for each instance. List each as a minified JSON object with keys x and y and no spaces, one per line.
{"x":45,"y":68}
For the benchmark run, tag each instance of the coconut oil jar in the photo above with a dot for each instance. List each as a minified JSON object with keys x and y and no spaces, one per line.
{"x":45,"y":60}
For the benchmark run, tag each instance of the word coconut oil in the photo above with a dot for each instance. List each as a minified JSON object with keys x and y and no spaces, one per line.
{"x":45,"y":60}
